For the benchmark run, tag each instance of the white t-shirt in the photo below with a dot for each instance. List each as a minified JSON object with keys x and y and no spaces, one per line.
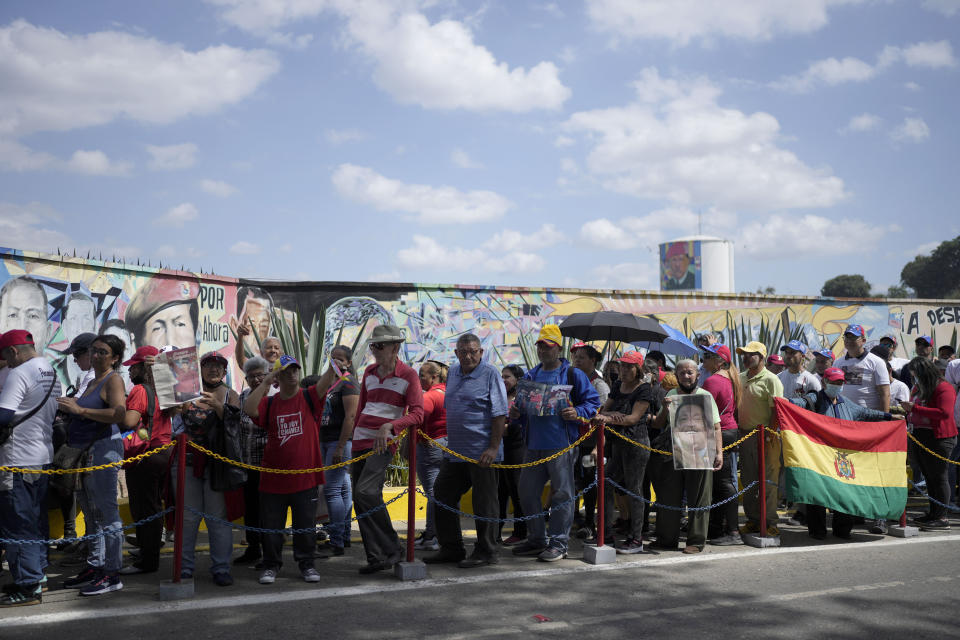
{"x":863,"y":376}
{"x":898,"y":363}
{"x":898,"y":392}
{"x":85,"y":380}
{"x":796,"y":385}
{"x":31,"y":442}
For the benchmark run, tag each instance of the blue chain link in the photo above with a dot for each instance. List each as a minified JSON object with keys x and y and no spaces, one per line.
{"x":474,"y":516}
{"x":91,"y":536}
{"x":933,"y":500}
{"x":290,"y":530}
{"x":672,"y":508}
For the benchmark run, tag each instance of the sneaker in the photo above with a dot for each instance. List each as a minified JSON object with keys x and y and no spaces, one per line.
{"x":269,"y":576}
{"x":22,"y":596}
{"x":427,"y":544}
{"x":44,"y":584}
{"x":82,"y":579}
{"x":773,"y":531}
{"x":936,"y":525}
{"x":310,"y":574}
{"x":728,"y":540}
{"x":629,"y":546}
{"x":552,"y":554}
{"x":222,"y":579}
{"x":528,"y":549}
{"x":922,"y":519}
{"x":750,"y":527}
{"x":105,"y":584}
{"x":513,"y":541}
{"x":329,"y":549}
{"x":584,"y":532}
{"x":131,"y":569}
{"x":690,"y":549}
{"x":879,"y":526}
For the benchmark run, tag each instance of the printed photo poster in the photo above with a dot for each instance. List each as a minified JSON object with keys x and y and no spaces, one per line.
{"x":176,"y":374}
{"x":539,"y":399}
{"x":680,"y":266}
{"x":694,"y":443}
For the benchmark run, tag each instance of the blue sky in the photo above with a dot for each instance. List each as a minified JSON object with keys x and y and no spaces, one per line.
{"x":498,"y":142}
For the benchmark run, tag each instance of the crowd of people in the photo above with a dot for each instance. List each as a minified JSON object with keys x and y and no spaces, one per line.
{"x":672,"y":431}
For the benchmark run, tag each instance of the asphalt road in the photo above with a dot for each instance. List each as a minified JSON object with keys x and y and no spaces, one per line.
{"x":873,"y":587}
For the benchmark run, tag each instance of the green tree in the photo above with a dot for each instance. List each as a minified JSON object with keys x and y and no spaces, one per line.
{"x":936,"y":275}
{"x":898,"y":291}
{"x":846,"y":286}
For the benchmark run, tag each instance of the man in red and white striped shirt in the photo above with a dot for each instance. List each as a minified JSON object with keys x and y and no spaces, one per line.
{"x":391,"y":400}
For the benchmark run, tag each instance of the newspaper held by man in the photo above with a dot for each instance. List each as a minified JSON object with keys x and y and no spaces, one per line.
{"x":539,"y":399}
{"x":176,"y":374}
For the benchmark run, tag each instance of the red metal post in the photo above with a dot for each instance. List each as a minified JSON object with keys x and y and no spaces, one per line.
{"x":903,"y":519}
{"x":600,"y":486}
{"x":761,"y":433}
{"x":411,"y":492}
{"x":178,"y":526}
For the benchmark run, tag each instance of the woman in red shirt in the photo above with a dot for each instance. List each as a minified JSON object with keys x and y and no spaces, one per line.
{"x":931,"y":414}
{"x":433,"y":381}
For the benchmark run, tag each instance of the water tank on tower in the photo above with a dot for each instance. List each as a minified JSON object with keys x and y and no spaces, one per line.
{"x":697,"y":263}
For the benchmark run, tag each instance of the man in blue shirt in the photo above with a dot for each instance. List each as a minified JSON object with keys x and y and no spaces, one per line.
{"x":476,"y":405}
{"x":547,"y":434}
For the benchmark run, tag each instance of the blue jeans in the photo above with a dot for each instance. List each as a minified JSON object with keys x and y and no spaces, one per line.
{"x":198,"y":494}
{"x":429,"y":459}
{"x":21,"y":508}
{"x":532,"y":480}
{"x":97,"y":498}
{"x":337,"y":492}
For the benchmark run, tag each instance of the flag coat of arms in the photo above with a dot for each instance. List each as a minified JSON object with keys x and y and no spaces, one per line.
{"x":853,"y":467}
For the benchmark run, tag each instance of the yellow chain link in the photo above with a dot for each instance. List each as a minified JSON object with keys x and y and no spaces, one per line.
{"x":251,"y":467}
{"x":772,"y":431}
{"x":99,"y":467}
{"x":639,"y":444}
{"x":737,"y":443}
{"x":509,"y":466}
{"x":933,"y":453}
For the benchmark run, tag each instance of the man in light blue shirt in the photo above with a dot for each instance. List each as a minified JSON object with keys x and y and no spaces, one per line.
{"x":476,"y":405}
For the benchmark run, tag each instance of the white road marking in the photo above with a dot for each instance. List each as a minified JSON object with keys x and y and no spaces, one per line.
{"x":262,"y":598}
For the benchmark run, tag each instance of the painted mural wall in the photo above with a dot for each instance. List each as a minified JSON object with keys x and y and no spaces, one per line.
{"x":56,"y":298}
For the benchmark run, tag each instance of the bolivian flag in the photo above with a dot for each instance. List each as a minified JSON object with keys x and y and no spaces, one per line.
{"x":858,"y":468}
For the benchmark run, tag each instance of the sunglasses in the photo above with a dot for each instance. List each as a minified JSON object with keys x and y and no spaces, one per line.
{"x":380,"y":346}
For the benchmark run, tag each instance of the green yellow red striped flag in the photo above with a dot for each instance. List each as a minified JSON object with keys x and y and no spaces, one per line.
{"x":858,"y":468}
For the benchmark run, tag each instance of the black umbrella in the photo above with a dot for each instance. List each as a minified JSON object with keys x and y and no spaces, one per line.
{"x":612,"y":326}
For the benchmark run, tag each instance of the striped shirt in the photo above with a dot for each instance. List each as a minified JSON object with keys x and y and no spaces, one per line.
{"x":397,"y":398}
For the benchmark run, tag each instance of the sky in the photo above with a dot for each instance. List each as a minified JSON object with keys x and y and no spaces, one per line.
{"x":482,"y":142}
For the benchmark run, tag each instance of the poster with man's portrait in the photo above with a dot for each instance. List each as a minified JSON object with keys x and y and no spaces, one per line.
{"x":694,"y":442}
{"x":680,"y":266}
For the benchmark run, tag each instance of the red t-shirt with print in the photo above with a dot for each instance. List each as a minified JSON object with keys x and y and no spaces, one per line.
{"x":293,"y":441}
{"x":137,"y":401}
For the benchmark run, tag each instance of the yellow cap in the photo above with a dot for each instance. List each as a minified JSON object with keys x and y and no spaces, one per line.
{"x":550,"y":333}
{"x":753,"y":347}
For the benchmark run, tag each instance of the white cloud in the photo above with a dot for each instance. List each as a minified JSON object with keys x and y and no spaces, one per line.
{"x":96,"y":163}
{"x":653,"y":228}
{"x":946,"y":7}
{"x":506,"y":252}
{"x":430,"y":204}
{"x":681,"y":21}
{"x":341,"y":136}
{"x":427,"y":253}
{"x":463,"y":160}
{"x":924,"y":249}
{"x":244,"y":248}
{"x":437,"y":66}
{"x":626,"y":275}
{"x":33,"y":226}
{"x":57,"y":81}
{"x":17,"y":157}
{"x":862,"y":122}
{"x":604,"y":233}
{"x":172,"y":157}
{"x":511,"y":240}
{"x":218,"y":188}
{"x":810,"y":235}
{"x":178,"y":215}
{"x":911,"y":130}
{"x":563,"y":141}
{"x":675,"y":142}
{"x":912,"y":86}
{"x":832,"y":72}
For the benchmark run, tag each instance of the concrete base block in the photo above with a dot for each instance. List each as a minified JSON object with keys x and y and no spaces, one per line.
{"x":760,"y":542}
{"x":407,"y":571}
{"x":903,"y":532}
{"x":170,"y":590}
{"x":599,"y":555}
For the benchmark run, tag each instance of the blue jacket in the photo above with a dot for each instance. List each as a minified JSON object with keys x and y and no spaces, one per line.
{"x":553,"y":432}
{"x":844,"y":409}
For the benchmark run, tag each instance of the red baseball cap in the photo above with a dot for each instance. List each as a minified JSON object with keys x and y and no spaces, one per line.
{"x":15,"y":337}
{"x":834,"y":374}
{"x":722,"y":351}
{"x":141,"y":354}
{"x":632,"y":357}
{"x":774,"y":359}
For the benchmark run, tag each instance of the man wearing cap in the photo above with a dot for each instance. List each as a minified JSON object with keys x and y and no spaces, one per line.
{"x":30,"y":384}
{"x":476,"y":406}
{"x":546,"y":435}
{"x":391,"y":402}
{"x":796,"y":380}
{"x":147,"y":478}
{"x":867,"y":382}
{"x":79,"y":352}
{"x":775,"y":364}
{"x":163,"y":312}
{"x":680,"y":274}
{"x":890,"y":342}
{"x":759,"y":388}
{"x":828,"y":401}
{"x":822,"y":360}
